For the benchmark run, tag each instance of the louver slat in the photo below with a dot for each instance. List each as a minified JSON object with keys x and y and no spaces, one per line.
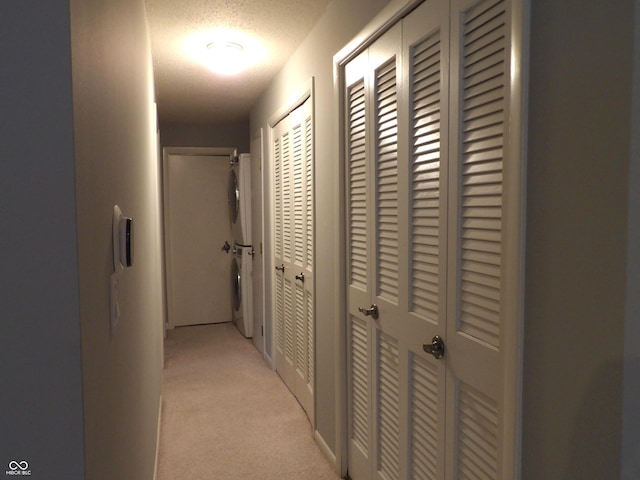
{"x":357,"y":187}
{"x":289,"y":309}
{"x":482,"y":150}
{"x":425,"y":177}
{"x":423,"y":420}
{"x":386,"y":122}
{"x":280,"y":312}
{"x":477,"y":434}
{"x":278,"y":194}
{"x":286,"y":197}
{"x":298,"y":197}
{"x":388,"y":423}
{"x":359,"y":385}
{"x":308,"y":133}
{"x":310,"y":337}
{"x":301,"y":331}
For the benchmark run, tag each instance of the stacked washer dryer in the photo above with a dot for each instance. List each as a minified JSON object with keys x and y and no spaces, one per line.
{"x":241,"y":263}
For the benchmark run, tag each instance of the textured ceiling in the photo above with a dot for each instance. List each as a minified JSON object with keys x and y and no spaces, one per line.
{"x":186,"y":90}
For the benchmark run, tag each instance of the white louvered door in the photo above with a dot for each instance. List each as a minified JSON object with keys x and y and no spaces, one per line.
{"x":426,"y":130}
{"x":480,"y":55}
{"x":375,"y":341}
{"x":424,"y":315}
{"x":360,"y":330}
{"x":293,"y":252}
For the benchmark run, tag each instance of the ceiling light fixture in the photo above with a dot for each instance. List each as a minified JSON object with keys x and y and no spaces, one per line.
{"x":223,"y":51}
{"x":226,"y":57}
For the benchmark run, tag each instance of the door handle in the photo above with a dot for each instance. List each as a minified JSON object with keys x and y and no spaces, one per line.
{"x":280,"y":268}
{"x":370,"y":312}
{"x":436,"y":348}
{"x":226,"y":247}
{"x":300,"y":277}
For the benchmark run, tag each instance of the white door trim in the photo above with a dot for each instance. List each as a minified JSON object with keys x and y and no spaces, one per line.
{"x":166,"y":153}
{"x":514,"y":270}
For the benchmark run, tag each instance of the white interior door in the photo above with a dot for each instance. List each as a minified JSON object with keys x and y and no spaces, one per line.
{"x":427,"y":115}
{"x":293,"y":252}
{"x":197,"y":226}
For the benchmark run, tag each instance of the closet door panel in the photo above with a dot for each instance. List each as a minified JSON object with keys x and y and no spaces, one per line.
{"x":479,"y":127}
{"x":293,"y":252}
{"x":283,"y":302}
{"x":425,"y":48}
{"x":301,"y":267}
{"x":360,"y":331}
{"x":389,"y":378}
{"x":431,"y":180}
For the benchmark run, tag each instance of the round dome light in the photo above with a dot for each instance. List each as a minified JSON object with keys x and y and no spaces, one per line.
{"x":226,"y":57}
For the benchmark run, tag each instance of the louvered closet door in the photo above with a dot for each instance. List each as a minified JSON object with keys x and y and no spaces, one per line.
{"x":293,"y":255}
{"x":426,"y":121}
{"x":373,"y":256}
{"x":284,"y":306}
{"x":360,"y":329}
{"x":424,"y":114}
{"x":480,"y":55}
{"x":301,"y":266}
{"x":397,"y":249}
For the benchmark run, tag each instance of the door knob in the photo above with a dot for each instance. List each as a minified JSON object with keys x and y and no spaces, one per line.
{"x":436,"y":348}
{"x":370,"y":312}
{"x":300,"y":277}
{"x":280,"y":268}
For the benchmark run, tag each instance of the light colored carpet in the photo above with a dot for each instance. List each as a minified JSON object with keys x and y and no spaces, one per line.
{"x":227,"y":415}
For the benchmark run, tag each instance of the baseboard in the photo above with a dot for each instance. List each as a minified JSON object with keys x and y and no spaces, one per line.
{"x":324,"y":448}
{"x":155,"y":468}
{"x":269,"y":360}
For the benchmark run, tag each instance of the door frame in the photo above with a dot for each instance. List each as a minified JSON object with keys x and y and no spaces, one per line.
{"x":515,"y":231}
{"x":166,"y":153}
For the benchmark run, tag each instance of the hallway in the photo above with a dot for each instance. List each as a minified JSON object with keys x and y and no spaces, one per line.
{"x":226,"y":415}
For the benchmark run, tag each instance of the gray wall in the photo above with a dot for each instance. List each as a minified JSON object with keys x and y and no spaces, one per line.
{"x":579,"y":148}
{"x":175,"y":134}
{"x":116,"y":163}
{"x":77,"y":136}
{"x":40,"y":370}
{"x":631,"y":412}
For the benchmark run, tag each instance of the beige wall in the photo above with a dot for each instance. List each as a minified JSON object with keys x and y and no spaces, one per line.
{"x":579,"y":147}
{"x":41,"y":418}
{"x":580,"y":231}
{"x":631,"y":411}
{"x":116,"y":163}
{"x":177,"y":134}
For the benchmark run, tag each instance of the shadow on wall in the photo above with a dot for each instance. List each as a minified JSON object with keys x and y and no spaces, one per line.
{"x":596,"y":442}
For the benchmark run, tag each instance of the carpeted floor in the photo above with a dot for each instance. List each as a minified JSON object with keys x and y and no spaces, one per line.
{"x":226,"y":415}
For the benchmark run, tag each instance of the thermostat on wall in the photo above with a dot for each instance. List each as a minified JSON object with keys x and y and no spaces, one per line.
{"x":122,"y":240}
{"x":122,"y":234}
